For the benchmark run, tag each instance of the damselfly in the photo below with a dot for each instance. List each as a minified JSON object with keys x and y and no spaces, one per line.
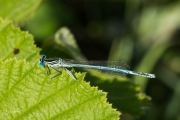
{"x":113,"y":66}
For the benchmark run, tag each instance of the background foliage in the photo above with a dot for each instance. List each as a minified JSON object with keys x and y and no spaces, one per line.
{"x":142,"y":33}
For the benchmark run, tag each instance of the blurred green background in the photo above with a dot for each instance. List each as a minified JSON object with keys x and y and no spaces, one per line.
{"x":143,"y":33}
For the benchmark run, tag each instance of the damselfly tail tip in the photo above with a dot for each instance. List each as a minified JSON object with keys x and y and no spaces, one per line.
{"x":152,"y":76}
{"x":148,"y":75}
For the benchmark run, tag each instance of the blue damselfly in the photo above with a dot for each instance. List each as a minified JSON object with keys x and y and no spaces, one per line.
{"x":114,"y":66}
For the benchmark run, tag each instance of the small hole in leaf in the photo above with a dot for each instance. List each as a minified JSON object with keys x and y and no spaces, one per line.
{"x":16,"y":51}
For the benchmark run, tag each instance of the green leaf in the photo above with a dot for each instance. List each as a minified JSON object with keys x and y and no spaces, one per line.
{"x":18,"y":10}
{"x":124,"y":94}
{"x":16,"y":43}
{"x":27,"y":94}
{"x":49,"y":16}
{"x":65,"y":40}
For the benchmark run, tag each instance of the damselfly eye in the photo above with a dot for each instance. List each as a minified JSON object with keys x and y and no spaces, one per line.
{"x":41,"y":63}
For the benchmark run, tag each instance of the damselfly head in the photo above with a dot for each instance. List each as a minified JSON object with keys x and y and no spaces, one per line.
{"x":41,"y":61}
